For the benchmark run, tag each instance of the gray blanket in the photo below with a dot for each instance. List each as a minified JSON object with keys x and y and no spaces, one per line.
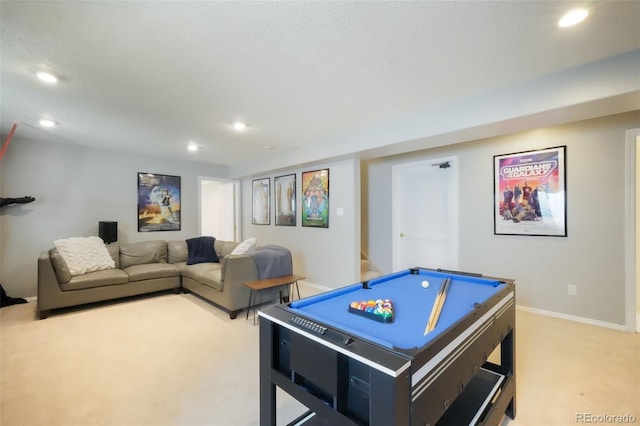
{"x":273,"y":261}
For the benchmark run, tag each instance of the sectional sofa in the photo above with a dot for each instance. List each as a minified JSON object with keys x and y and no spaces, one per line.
{"x":153,"y":266}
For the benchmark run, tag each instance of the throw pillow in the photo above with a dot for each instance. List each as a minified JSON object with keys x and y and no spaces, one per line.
{"x":84,"y":254}
{"x":246,"y":247}
{"x":200,"y":250}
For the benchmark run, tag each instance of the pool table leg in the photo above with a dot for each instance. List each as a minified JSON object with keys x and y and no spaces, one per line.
{"x":508,"y":360}
{"x":267,"y":388}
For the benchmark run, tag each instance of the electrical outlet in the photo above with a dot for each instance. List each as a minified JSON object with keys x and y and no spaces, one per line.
{"x":573,"y":290}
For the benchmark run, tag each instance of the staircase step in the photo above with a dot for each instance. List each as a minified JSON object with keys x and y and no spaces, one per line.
{"x":369,"y":275}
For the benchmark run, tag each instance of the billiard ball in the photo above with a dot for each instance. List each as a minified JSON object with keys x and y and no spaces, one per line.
{"x":425,"y":284}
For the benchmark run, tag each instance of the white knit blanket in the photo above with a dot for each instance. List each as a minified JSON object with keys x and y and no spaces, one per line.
{"x":84,"y":254}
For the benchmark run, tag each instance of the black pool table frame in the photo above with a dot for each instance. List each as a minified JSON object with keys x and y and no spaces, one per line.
{"x":344,"y":380}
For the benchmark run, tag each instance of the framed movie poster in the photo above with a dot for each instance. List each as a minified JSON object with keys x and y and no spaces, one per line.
{"x":261,"y":201}
{"x":158,"y":202}
{"x":530,"y":194}
{"x":315,"y":198}
{"x":285,"y":195}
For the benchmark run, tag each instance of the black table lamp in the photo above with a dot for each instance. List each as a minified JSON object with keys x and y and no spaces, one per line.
{"x":108,"y":231}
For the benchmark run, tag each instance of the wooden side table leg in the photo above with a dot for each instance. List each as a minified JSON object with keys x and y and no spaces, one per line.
{"x":249,"y":304}
{"x":297,"y":289}
{"x":256,"y":307}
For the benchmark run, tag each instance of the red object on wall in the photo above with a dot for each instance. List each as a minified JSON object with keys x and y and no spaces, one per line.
{"x":6,"y":142}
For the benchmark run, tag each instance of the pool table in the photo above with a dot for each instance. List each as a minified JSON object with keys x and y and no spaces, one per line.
{"x":350,"y":368}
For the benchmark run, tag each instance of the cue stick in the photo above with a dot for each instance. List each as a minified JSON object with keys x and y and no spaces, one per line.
{"x":437,"y":305}
{"x":434,"y":309}
{"x":443,"y":298}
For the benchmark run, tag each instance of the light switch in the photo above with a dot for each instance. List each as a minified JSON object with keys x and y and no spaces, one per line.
{"x":340,"y":211}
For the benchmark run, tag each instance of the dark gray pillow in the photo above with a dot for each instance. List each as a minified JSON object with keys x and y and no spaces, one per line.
{"x":201,"y":250}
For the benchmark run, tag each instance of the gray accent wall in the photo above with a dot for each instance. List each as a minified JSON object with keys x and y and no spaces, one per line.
{"x":75,"y":187}
{"x":591,"y":257}
{"x":329,"y":257}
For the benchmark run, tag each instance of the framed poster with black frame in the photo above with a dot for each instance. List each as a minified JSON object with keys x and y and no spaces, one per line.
{"x":530,"y":194}
{"x":159,"y":204}
{"x":315,"y":198}
{"x":261,"y":204}
{"x":284,"y":188}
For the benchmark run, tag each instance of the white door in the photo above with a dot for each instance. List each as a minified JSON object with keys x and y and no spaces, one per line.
{"x":425,"y":214}
{"x":219,"y":208}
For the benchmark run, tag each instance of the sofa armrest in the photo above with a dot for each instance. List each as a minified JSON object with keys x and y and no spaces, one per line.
{"x":48,"y":287}
{"x":238,"y":269}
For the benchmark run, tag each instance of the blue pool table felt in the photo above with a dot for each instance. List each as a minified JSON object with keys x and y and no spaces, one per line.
{"x":412,"y":306}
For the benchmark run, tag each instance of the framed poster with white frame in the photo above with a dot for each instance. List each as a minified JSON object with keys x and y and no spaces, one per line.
{"x":284,"y":188}
{"x":261,"y":195}
{"x":530,"y":194}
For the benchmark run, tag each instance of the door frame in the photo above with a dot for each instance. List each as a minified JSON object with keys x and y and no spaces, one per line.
{"x":632,"y":222}
{"x":237,"y":203}
{"x":455,"y":200}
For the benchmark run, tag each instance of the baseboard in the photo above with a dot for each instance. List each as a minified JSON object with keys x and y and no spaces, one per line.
{"x":583,"y":320}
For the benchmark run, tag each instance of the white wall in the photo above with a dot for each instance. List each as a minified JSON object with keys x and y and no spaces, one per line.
{"x":591,"y":257}
{"x":325,"y":256}
{"x":75,"y":188}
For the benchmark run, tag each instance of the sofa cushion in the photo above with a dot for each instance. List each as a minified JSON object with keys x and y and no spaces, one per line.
{"x":143,"y":253}
{"x":59,"y":266}
{"x":204,"y":273}
{"x":150,"y":271}
{"x":177,"y":251}
{"x":201,"y":250}
{"x":246,"y":247}
{"x":96,"y":279}
{"x":84,"y":254}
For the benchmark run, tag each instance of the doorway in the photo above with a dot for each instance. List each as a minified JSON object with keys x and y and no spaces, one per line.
{"x":636,"y":284}
{"x":632,"y":231}
{"x":219,"y":208}
{"x":425,"y":214}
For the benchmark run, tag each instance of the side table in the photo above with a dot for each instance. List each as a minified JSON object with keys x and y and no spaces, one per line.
{"x":259,"y":285}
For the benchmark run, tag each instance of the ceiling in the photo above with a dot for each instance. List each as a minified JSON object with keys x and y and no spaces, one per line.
{"x":148,"y":77}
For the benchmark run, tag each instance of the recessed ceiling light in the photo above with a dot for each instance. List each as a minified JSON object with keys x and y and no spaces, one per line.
{"x":573,"y":17}
{"x":239,"y":126}
{"x":47,"y":77}
{"x":45,"y":122}
{"x":267,"y":147}
{"x":192,"y":147}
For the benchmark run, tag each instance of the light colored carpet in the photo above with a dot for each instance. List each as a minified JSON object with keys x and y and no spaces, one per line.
{"x":177,"y":360}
